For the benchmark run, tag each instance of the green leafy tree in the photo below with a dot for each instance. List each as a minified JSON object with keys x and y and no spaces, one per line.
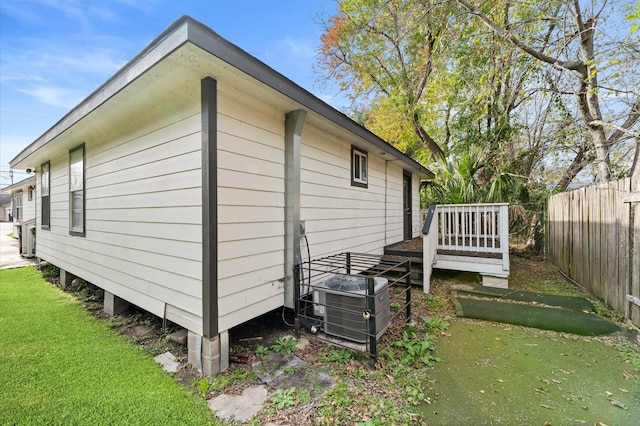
{"x":591,"y":62}
{"x":386,"y":52}
{"x":545,"y":89}
{"x":426,"y":81}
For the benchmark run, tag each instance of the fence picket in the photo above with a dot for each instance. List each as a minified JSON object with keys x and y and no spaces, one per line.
{"x":589,"y":240}
{"x":635,"y":266}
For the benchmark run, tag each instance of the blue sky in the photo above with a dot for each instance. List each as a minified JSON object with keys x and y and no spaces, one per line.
{"x":54,"y":53}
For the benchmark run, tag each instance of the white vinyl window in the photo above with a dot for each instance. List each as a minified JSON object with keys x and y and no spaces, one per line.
{"x":17,"y":203}
{"x":358,"y":168}
{"x":44,"y":190}
{"x":76,"y":191}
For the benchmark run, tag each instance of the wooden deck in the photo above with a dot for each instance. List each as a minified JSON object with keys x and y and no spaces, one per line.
{"x":413,"y":248}
{"x":467,"y":237}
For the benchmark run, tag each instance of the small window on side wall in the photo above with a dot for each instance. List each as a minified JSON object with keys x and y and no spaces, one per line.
{"x":76,"y":191}
{"x":359,"y":172}
{"x":45,"y":181}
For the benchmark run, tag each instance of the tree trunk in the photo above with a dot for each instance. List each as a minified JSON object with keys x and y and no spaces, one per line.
{"x":587,"y":96}
{"x":602,"y":153}
{"x":635,"y":168}
{"x":436,"y":152}
{"x":589,"y":100}
{"x":534,"y":233}
{"x":574,"y":168}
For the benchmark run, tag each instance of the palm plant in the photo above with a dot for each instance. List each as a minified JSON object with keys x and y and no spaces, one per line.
{"x":468,"y":178}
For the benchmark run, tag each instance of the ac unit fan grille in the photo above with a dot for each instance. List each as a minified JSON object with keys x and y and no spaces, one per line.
{"x":344,"y":318}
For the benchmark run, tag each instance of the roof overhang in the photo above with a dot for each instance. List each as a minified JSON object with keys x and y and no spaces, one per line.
{"x":24,"y":183}
{"x":197,"y":50}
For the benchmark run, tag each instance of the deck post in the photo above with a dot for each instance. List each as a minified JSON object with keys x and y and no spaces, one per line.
{"x":504,"y":235}
{"x":429,"y":246}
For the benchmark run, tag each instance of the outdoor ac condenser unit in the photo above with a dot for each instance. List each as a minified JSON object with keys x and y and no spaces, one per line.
{"x":28,"y":239}
{"x":31,"y":241}
{"x":342,"y":299}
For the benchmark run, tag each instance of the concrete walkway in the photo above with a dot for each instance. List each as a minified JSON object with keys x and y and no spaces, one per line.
{"x":9,"y":250}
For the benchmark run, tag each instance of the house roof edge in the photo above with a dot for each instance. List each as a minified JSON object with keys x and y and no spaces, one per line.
{"x":175,"y":35}
{"x":187,"y":29}
{"x":23,"y":182}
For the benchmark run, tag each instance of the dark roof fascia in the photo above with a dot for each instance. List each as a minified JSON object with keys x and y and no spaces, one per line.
{"x":186,"y":29}
{"x":23,"y":182}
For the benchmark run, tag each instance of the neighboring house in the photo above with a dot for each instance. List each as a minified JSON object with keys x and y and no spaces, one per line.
{"x":5,"y":207}
{"x":179,"y":186}
{"x":23,"y":212}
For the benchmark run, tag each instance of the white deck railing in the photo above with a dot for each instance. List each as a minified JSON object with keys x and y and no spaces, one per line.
{"x":463,"y":230}
{"x":480,"y":228}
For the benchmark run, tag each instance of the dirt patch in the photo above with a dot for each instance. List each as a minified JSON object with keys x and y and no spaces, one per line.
{"x":290,"y":371}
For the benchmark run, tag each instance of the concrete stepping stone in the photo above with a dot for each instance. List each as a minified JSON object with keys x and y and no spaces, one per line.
{"x":168,"y":362}
{"x":240,"y":407}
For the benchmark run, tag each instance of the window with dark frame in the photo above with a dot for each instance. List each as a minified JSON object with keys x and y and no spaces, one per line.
{"x":45,"y":184}
{"x":359,"y":172}
{"x":76,"y":191}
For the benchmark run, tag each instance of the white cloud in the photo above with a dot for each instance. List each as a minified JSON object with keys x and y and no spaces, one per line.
{"x":54,"y":75}
{"x":299,"y":48}
{"x":332,"y":95}
{"x":103,"y":61}
{"x":33,"y":64}
{"x":55,"y":95}
{"x":83,"y":12}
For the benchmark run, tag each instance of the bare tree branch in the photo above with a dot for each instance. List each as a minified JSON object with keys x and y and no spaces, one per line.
{"x":569,"y":65}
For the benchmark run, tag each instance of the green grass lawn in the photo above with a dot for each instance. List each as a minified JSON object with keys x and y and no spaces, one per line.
{"x":58,"y":365}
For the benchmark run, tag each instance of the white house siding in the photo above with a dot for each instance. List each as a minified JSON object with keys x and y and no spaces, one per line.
{"x":143,"y":218}
{"x":144,"y":196}
{"x":340,"y":217}
{"x":28,"y":206}
{"x":250,"y":207}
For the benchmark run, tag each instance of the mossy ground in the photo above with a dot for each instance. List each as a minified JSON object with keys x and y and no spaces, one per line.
{"x":493,"y":374}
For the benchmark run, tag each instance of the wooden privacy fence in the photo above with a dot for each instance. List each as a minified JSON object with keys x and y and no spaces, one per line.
{"x":593,"y":236}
